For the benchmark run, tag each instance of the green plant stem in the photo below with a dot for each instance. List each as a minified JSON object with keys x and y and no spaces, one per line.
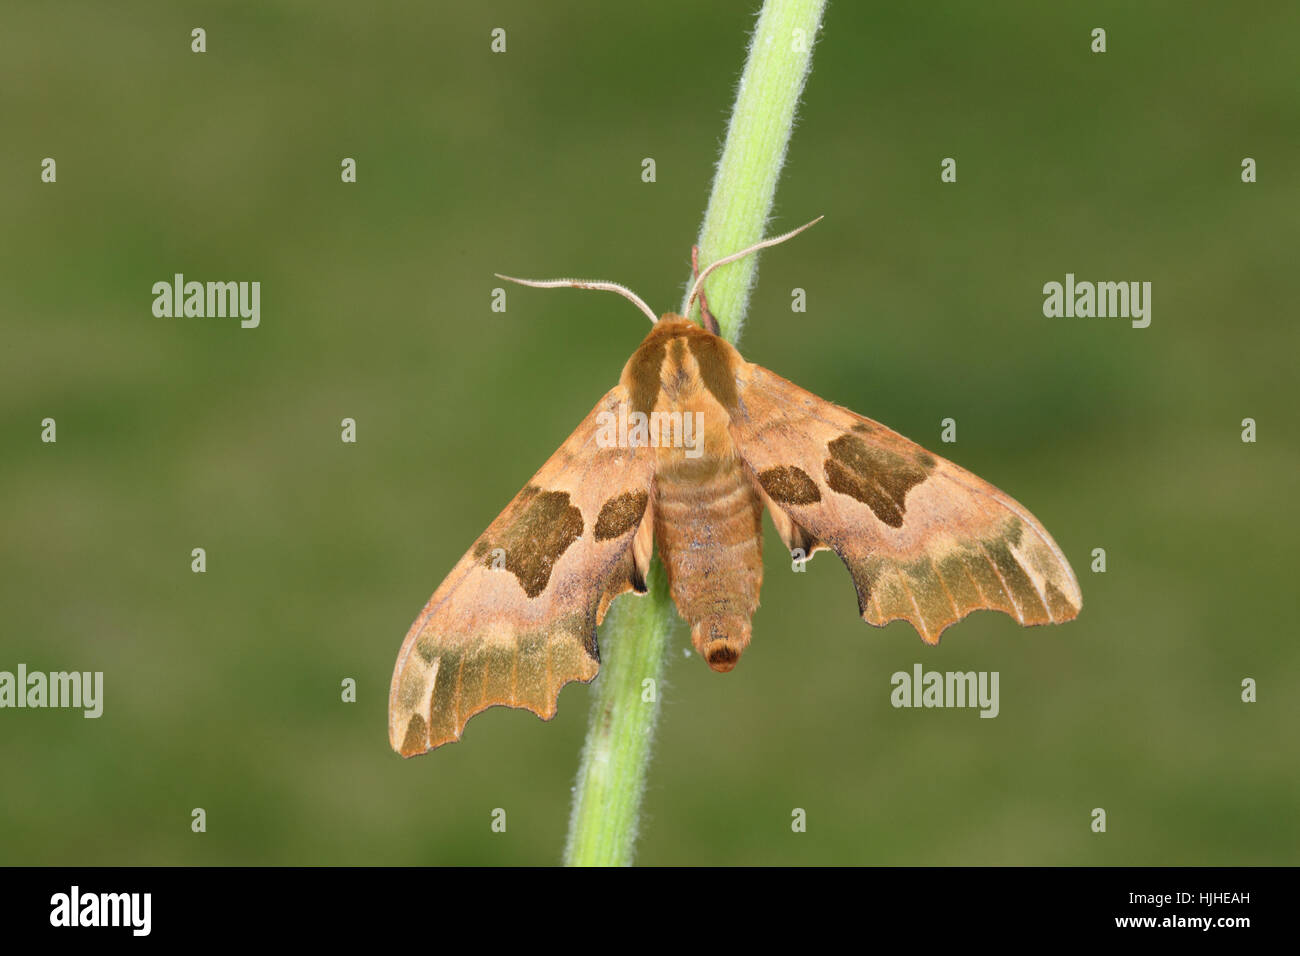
{"x":744,"y":186}
{"x":634,"y":638}
{"x":611,"y":780}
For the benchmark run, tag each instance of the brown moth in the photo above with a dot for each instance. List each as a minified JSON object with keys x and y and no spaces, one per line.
{"x":924,"y":540}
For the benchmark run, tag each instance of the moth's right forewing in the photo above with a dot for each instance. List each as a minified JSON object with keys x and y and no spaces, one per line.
{"x":925,"y":540}
{"x":516,"y":618}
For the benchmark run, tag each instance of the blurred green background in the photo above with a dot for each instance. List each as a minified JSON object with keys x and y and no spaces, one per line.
{"x":924,"y":302}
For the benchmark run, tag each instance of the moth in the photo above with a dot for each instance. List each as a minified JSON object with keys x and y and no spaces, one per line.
{"x":924,"y":540}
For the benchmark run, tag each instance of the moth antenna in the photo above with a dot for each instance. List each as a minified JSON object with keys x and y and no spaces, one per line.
{"x":597,"y":284}
{"x":775,"y":240}
{"x":710,"y":321}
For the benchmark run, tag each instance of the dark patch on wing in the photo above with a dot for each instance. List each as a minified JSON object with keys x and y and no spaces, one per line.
{"x":876,"y":476}
{"x":620,"y":514}
{"x":715,"y":369}
{"x":923,"y":457}
{"x":789,"y":485}
{"x":537,"y":538}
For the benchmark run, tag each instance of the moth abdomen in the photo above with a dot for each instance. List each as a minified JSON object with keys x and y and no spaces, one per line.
{"x":708,"y":524}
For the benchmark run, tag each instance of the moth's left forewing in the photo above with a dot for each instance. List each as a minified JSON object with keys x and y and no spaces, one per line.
{"x":516,"y":618}
{"x":925,"y":540}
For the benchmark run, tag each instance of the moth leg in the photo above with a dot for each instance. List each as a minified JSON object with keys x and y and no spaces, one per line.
{"x":710,"y":323}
